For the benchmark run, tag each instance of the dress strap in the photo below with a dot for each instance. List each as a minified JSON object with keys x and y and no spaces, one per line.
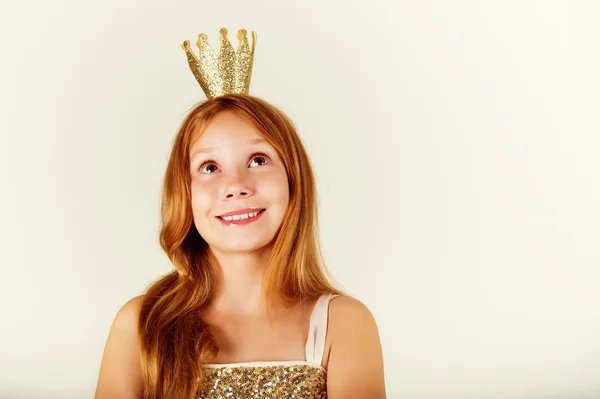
{"x":315,"y":344}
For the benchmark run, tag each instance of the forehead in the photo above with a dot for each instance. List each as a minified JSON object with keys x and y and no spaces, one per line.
{"x":226,"y":127}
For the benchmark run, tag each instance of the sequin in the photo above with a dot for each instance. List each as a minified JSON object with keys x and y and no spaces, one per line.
{"x":281,"y":381}
{"x":228,"y":72}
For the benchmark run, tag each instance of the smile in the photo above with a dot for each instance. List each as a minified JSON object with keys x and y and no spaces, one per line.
{"x":241,"y":218}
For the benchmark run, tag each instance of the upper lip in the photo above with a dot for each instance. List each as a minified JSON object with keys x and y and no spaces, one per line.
{"x":240,"y":211}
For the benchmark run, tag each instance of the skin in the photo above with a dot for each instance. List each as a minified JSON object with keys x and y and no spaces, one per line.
{"x":242,"y":171}
{"x":237,"y":172}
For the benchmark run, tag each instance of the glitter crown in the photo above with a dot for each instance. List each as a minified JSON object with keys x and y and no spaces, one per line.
{"x":227,"y":73}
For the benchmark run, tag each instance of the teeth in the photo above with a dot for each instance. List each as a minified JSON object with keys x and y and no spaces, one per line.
{"x":243,"y":216}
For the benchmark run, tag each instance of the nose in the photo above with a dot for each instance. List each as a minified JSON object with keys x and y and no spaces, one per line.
{"x":238,"y":186}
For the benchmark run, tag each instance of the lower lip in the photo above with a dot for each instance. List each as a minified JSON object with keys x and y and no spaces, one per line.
{"x":241,"y":222}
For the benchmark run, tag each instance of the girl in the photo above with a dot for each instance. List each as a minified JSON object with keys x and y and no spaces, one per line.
{"x":248,"y":311}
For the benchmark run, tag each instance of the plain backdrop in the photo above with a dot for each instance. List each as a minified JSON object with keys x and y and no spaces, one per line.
{"x":456,"y":146}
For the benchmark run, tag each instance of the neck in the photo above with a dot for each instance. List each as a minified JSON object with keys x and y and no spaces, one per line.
{"x":239,"y":278}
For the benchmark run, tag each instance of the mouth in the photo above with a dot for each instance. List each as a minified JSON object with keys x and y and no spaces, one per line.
{"x":240,"y":219}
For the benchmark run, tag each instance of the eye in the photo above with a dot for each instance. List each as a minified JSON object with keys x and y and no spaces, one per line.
{"x":265,"y":159}
{"x":205,"y":164}
{"x":209,"y":167}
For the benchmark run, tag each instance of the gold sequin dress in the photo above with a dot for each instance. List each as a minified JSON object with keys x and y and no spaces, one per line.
{"x":297,"y":379}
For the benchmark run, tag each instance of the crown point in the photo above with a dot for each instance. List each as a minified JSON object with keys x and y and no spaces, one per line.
{"x":227,"y":72}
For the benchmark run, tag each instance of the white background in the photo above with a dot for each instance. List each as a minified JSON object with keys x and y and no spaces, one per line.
{"x":456,"y":145}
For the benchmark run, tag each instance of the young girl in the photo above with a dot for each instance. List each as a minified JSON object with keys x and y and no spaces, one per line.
{"x":248,"y":311}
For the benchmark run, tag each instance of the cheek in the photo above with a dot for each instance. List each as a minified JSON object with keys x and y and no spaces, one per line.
{"x":277,"y":189}
{"x":202,"y":199}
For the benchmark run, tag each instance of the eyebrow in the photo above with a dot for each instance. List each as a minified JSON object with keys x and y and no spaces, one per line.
{"x":201,"y":150}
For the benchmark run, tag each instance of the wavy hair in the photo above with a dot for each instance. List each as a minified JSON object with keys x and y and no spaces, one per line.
{"x":174,"y":341}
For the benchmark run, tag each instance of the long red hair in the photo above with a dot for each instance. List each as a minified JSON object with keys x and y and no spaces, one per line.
{"x":174,"y":341}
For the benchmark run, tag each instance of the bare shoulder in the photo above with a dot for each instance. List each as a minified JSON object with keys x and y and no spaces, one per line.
{"x":120,"y":371}
{"x":125,"y":322}
{"x":129,"y":312}
{"x":355,"y":358}
{"x":345,"y":309}
{"x":350,"y":320}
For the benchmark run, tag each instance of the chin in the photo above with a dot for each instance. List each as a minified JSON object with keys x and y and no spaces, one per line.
{"x":240,"y":248}
{"x":241,"y":244}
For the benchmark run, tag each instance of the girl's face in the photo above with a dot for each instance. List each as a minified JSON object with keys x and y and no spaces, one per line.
{"x":236,"y":174}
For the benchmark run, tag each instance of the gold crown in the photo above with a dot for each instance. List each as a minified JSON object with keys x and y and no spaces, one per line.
{"x":229,"y":72}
